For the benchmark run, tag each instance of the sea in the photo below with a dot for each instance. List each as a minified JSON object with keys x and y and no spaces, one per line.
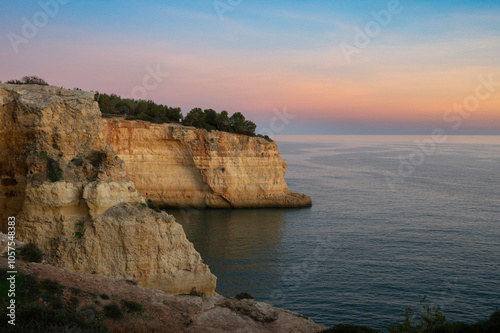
{"x":394,"y":219}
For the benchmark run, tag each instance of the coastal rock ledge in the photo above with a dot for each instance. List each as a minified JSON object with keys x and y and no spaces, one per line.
{"x":70,"y":195}
{"x":180,"y":166}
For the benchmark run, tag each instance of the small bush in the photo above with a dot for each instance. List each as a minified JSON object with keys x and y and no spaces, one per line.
{"x":243,"y":296}
{"x":97,"y":158}
{"x":131,"y":306}
{"x":265,"y":137}
{"x":31,"y":252}
{"x":104,"y":296}
{"x":75,"y":291}
{"x":113,"y":311}
{"x":78,"y":161}
{"x":152,"y":206}
{"x":429,"y":318}
{"x":73,"y":301}
{"x":43,"y":154}
{"x":55,"y":172}
{"x":29,"y":286}
{"x":491,"y":325}
{"x":52,"y":287}
{"x":29,"y":80}
{"x":195,"y":292}
{"x":78,"y":235}
{"x":53,"y":300}
{"x":131,"y":282}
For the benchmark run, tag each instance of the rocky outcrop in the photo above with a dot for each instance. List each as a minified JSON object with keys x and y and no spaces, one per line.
{"x":72,"y":197}
{"x":178,"y":166}
{"x":161,"y":312}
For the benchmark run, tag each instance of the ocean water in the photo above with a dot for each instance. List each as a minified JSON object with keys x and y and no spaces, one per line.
{"x":389,"y":224}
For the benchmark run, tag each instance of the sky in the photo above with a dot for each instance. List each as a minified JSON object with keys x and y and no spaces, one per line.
{"x":293,"y":67}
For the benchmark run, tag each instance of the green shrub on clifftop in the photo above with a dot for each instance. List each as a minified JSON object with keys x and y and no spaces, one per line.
{"x":209,"y":119}
{"x":29,"y":80}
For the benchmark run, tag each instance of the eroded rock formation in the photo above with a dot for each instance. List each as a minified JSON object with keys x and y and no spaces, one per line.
{"x":72,"y":197}
{"x":180,"y":166}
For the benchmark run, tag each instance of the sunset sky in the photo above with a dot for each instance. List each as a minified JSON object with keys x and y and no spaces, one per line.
{"x":404,"y":76}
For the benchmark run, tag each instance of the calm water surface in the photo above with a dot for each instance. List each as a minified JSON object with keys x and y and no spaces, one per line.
{"x":366,"y":249}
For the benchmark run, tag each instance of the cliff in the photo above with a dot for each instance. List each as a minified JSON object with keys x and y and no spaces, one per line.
{"x":71,"y":195}
{"x":179,"y":166}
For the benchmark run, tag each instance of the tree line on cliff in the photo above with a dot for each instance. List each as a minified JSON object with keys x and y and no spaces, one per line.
{"x":133,"y":109}
{"x":208,"y":119}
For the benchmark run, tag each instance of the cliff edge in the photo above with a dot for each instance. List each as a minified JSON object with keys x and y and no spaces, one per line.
{"x":180,"y":166}
{"x":70,"y":194}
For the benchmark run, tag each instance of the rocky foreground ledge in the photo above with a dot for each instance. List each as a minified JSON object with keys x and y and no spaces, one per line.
{"x":92,"y":296}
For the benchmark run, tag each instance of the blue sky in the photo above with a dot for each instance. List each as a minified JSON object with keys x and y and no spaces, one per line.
{"x":265,"y":55}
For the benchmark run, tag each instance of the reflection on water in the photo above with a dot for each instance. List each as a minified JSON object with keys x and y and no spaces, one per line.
{"x":242,"y":247}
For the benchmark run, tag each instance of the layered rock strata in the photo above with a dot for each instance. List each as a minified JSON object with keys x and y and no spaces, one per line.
{"x":71,"y":195}
{"x":179,"y":166}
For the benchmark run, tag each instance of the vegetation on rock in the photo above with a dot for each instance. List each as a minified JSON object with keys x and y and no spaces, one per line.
{"x":208,"y":119}
{"x":211,"y":120}
{"x":427,"y":319}
{"x":148,"y":110}
{"x":113,"y":311}
{"x":29,"y":80}
{"x":131,"y":306}
{"x":54,"y":171}
{"x":243,"y":296}
{"x":138,"y":109}
{"x":195,"y":292}
{"x":41,"y":307}
{"x":31,"y":252}
{"x":152,"y":206}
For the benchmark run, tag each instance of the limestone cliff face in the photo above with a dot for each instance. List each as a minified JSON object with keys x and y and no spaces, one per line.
{"x":72,"y":197}
{"x":180,"y":166}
